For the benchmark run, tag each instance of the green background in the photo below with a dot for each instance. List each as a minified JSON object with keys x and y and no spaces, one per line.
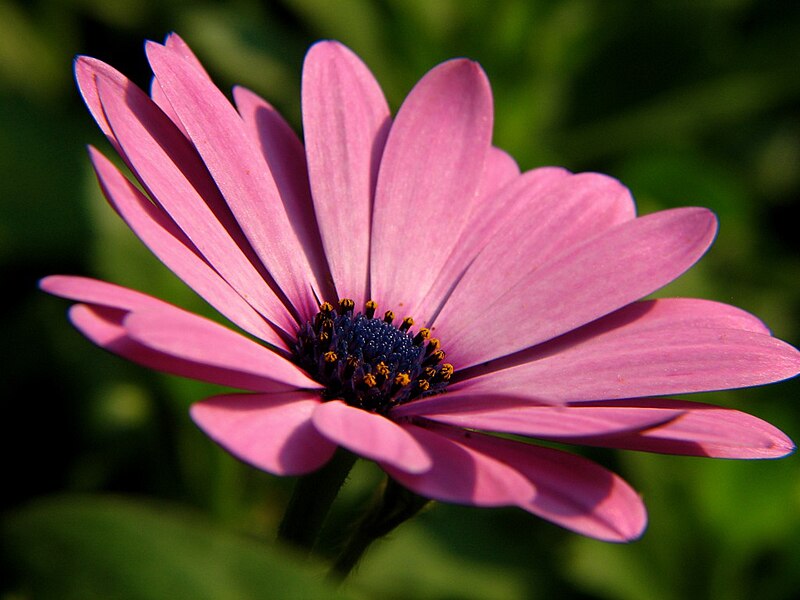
{"x":110,"y":491}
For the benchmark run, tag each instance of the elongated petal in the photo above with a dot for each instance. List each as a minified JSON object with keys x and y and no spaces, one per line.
{"x":176,"y":251}
{"x":174,"y":42}
{"x":461,"y":475}
{"x":239,"y":170}
{"x":284,"y":153}
{"x":372,"y":436}
{"x":168,"y":166}
{"x":571,"y":491}
{"x":345,"y":122}
{"x":646,"y":349}
{"x":500,"y":168}
{"x":170,"y":350}
{"x":272,"y":432}
{"x":86,"y":71}
{"x":101,"y":293}
{"x":545,"y":216}
{"x":104,"y":326}
{"x":428,"y":181}
{"x":193,"y":338}
{"x":553,"y":422}
{"x":489,"y":220}
{"x":586,"y":282}
{"x":702,"y":430}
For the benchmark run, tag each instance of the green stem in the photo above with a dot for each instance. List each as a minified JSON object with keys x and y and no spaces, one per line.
{"x":395,"y":506}
{"x":311,"y":500}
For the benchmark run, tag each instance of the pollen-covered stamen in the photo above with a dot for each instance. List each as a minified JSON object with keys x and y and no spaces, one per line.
{"x":370,"y":363}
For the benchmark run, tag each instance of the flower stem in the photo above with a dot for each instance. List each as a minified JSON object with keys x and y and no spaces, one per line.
{"x":311,"y":500}
{"x":394,"y":506}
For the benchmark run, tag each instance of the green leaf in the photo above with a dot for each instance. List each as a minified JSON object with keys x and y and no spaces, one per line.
{"x":91,"y":547}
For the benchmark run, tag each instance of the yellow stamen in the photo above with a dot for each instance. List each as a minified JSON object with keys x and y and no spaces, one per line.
{"x":422,"y":335}
{"x":447,"y":371}
{"x":402,"y":379}
{"x":435,"y":358}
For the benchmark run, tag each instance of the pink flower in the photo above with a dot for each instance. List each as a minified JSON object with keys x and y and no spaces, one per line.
{"x":529,"y":282}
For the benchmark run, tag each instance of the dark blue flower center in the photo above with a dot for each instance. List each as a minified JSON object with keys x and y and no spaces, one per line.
{"x":370,"y":362}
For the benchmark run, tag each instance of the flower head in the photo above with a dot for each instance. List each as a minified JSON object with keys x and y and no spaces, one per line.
{"x":403,"y":291}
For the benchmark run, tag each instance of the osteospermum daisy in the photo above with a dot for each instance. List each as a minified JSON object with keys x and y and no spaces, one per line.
{"x":400,"y":290}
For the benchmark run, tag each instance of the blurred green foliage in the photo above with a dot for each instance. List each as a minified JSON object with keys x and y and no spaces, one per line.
{"x":110,"y":490}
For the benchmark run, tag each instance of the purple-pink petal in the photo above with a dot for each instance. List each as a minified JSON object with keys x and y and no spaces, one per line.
{"x":284,"y":154}
{"x":240,"y":172}
{"x":159,"y":233}
{"x":372,"y":436}
{"x":651,"y":348}
{"x":102,"y":293}
{"x":702,"y":430}
{"x":462,"y":475}
{"x":546,"y":212}
{"x":86,"y":71}
{"x":553,"y":422}
{"x":488,"y":221}
{"x":189,"y":337}
{"x":500,"y":169}
{"x":165,"y":337}
{"x":104,"y":326}
{"x":587,"y":281}
{"x":570,"y":491}
{"x":174,"y":42}
{"x":176,"y":178}
{"x":428,"y":181}
{"x":345,"y":123}
{"x":272,"y":432}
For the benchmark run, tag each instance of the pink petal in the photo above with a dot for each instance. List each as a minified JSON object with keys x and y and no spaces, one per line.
{"x":489,"y":220}
{"x":239,"y":170}
{"x":345,"y":122}
{"x":168,"y":166}
{"x":190,"y":337}
{"x":371,"y":435}
{"x":500,"y":169}
{"x":428,"y":181}
{"x":461,"y":475}
{"x":102,"y":293}
{"x":646,"y":349}
{"x":86,"y":70}
{"x":546,"y":215}
{"x":272,"y":432}
{"x":237,"y":362}
{"x":703,"y":430}
{"x":174,"y":42}
{"x":171,"y":246}
{"x":587,"y":281}
{"x":570,"y":491}
{"x":284,"y":153}
{"x":104,"y":327}
{"x":543,"y":421}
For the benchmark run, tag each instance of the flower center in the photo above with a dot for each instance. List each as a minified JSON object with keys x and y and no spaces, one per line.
{"x":369,"y":362}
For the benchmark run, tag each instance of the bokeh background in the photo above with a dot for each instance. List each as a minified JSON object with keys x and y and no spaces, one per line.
{"x":110,"y":491}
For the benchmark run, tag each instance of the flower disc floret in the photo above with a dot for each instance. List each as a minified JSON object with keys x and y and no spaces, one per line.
{"x":370,"y":362}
